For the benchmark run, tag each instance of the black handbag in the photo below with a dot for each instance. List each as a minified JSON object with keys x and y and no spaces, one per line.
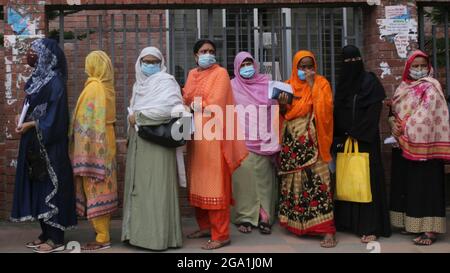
{"x":162,"y":134}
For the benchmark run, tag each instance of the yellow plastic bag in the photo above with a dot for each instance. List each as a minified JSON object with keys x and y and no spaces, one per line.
{"x":353,"y":174}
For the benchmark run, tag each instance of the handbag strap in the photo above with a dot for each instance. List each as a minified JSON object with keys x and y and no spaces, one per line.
{"x":351,"y":145}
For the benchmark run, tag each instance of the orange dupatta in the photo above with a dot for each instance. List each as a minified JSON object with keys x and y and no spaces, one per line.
{"x":212,"y":162}
{"x":320,"y":100}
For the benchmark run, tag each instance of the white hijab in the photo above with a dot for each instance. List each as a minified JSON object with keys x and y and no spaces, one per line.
{"x":155,"y":96}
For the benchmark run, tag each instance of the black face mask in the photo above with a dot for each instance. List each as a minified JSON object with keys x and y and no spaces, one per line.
{"x":32,"y":59}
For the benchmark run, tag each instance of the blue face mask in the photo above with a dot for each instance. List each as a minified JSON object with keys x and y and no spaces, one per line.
{"x":247,"y":71}
{"x":150,"y":69}
{"x":206,"y":60}
{"x":301,"y":75}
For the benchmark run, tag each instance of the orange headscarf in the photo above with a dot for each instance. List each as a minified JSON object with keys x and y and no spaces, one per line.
{"x":319,"y":100}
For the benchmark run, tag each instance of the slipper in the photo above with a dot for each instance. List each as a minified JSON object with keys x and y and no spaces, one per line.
{"x":365,"y":239}
{"x":211,"y":244}
{"x":420,"y":240}
{"x":95,"y":246}
{"x":199,"y":234}
{"x":53,"y":247}
{"x":34,"y":244}
{"x":264,"y":228}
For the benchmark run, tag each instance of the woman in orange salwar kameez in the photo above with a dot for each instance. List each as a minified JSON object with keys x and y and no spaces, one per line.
{"x":211,"y":162}
{"x":306,"y":205}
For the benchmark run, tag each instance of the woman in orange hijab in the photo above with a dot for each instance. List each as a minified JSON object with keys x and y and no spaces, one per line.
{"x":306,"y":202}
{"x":211,"y":160}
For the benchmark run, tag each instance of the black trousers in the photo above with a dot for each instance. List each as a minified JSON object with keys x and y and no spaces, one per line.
{"x":51,"y":233}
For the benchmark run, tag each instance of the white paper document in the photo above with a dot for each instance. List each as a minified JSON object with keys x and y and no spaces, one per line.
{"x":285,"y":87}
{"x":23,"y":114}
{"x":390,"y":140}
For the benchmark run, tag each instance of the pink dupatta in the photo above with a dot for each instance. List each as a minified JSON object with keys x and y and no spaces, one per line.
{"x":421,"y":108}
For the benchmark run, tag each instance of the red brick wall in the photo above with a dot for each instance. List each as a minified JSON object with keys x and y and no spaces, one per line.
{"x":375,"y":51}
{"x":2,"y":134}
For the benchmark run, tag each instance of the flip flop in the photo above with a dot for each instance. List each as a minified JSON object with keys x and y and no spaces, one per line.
{"x":423,"y":237}
{"x":95,"y":246}
{"x":54,"y":248}
{"x":34,"y":244}
{"x":264,"y":228}
{"x":329,"y":242}
{"x":210,"y":244}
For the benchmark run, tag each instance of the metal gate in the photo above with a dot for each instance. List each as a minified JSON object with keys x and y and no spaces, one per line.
{"x":272,"y":35}
{"x":434,"y":39}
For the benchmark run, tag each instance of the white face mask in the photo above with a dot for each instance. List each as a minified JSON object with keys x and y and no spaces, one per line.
{"x":418,"y":74}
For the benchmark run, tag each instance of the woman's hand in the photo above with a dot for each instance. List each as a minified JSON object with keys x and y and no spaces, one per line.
{"x":132,"y":119}
{"x":283,"y":98}
{"x":396,"y":128}
{"x":25,"y":127}
{"x":310,"y":77}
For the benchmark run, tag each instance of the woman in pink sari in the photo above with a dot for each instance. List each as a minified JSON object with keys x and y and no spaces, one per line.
{"x":255,"y":181}
{"x":420,"y":122}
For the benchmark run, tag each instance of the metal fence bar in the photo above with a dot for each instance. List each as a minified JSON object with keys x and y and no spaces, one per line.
{"x":261,"y":46}
{"x":344,"y":39}
{"x":100,"y":31}
{"x":284,"y":44}
{"x":224,"y":50}
{"x":112,"y":34}
{"x":319,"y":35}
{"x":333,"y":69}
{"x":249,"y":38}
{"x":210,"y":24}
{"x":185,"y":47}
{"x":236,"y":32}
{"x":421,"y":27}
{"x":308,"y":31}
{"x":447,"y":54}
{"x":297,"y":32}
{"x":356,"y":14}
{"x":433,"y":34}
{"x":172,"y":43}
{"x":61,"y":28}
{"x":272,"y":34}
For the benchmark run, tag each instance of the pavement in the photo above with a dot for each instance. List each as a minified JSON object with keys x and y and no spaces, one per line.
{"x":13,"y":236}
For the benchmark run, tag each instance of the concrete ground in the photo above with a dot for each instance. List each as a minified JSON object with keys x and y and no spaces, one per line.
{"x":14,"y":235}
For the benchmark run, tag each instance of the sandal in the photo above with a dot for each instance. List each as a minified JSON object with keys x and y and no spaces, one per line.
{"x":212,"y":244}
{"x":95,"y":246}
{"x":199,"y":234}
{"x":49,"y":247}
{"x":35,"y":243}
{"x":245,"y":227}
{"x":425,"y":239}
{"x":365,"y":239}
{"x":328,"y":241}
{"x":264,"y":228}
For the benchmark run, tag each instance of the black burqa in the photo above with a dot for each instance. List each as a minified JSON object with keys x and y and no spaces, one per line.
{"x":358,"y":102}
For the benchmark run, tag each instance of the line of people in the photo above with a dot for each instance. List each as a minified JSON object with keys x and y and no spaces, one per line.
{"x":65,"y":169}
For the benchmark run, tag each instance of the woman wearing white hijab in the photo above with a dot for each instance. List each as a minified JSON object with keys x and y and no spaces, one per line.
{"x":151,"y":217}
